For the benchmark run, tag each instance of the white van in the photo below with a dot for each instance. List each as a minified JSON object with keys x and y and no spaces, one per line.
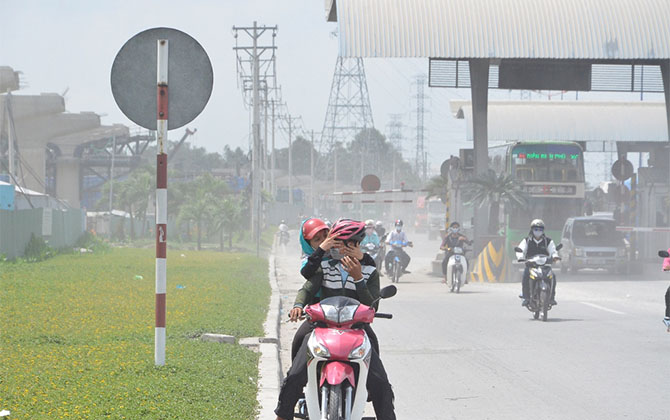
{"x":592,"y":242}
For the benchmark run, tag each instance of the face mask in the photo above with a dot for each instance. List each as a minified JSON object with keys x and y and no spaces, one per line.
{"x":369,"y":231}
{"x":336,"y":254}
{"x":398,"y":229}
{"x":537,"y":233}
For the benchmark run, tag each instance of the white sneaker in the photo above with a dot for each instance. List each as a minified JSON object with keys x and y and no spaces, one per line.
{"x":666,"y":321}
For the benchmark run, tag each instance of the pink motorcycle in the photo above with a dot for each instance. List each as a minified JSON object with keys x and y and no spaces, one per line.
{"x":339,"y":356}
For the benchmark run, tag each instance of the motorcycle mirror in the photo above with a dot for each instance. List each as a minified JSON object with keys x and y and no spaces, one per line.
{"x":517,"y":249}
{"x":388,"y":291}
{"x":663,"y":254}
{"x":558,"y":247}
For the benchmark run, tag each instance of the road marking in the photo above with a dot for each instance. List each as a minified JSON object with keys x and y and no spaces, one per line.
{"x":602,"y":308}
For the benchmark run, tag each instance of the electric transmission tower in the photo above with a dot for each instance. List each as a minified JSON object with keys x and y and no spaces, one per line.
{"x":394,"y":131}
{"x":348,"y":111}
{"x":421,"y":158}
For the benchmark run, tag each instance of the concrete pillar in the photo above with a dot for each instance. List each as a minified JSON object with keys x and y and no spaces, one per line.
{"x":35,"y":171}
{"x":665,"y":74}
{"x":67,"y":180}
{"x":479,"y":85}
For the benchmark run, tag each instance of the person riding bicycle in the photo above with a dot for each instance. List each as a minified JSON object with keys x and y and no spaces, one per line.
{"x":341,"y":276}
{"x":397,"y":239}
{"x":453,"y":239}
{"x":537,"y":243}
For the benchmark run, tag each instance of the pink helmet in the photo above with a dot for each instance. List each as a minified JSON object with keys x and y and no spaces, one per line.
{"x":349,"y":230}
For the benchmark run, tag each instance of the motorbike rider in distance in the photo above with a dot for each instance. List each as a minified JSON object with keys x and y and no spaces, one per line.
{"x":380,"y":229}
{"x":395,"y":237}
{"x":454,"y":238}
{"x":536,"y":243}
{"x":370,"y":234}
{"x":666,"y":267}
{"x":340,"y":276}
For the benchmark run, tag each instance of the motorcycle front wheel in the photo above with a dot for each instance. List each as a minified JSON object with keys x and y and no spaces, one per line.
{"x":335,"y":402}
{"x":544,"y":299}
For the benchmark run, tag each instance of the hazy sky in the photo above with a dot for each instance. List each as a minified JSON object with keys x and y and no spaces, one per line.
{"x":71,"y":44}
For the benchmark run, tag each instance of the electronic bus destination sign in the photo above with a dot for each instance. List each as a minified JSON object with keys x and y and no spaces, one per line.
{"x":550,"y":189}
{"x":546,"y":156}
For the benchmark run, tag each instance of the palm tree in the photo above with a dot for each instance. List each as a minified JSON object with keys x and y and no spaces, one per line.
{"x":437,"y":187}
{"x":496,"y":190}
{"x":201,"y":203}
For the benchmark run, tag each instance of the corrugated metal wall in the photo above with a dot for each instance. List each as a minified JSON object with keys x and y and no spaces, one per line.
{"x":565,"y":29}
{"x":17,"y":226}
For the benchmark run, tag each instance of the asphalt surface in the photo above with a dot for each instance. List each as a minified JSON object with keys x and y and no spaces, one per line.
{"x":602,"y":354}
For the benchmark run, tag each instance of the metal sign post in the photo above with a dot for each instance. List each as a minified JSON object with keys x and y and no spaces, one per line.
{"x":135,"y":89}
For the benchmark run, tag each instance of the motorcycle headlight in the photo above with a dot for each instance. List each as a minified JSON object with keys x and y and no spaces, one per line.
{"x":316,"y":347}
{"x":579,"y":252}
{"x":362,"y":350}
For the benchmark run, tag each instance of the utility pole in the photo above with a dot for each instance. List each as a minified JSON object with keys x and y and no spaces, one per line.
{"x":394,"y":132}
{"x":311,"y":173}
{"x":254,"y":62}
{"x":421,"y":166}
{"x":111,"y":178}
{"x":10,"y":136}
{"x":290,"y":160}
{"x":273,"y":186}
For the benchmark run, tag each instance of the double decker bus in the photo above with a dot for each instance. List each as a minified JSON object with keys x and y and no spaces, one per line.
{"x":552,"y":174}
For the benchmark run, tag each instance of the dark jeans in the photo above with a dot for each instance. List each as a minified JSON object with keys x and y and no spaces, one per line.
{"x":307,"y":327}
{"x":379,"y":388}
{"x":404,"y":258}
{"x":667,"y":302}
{"x":525,"y":285}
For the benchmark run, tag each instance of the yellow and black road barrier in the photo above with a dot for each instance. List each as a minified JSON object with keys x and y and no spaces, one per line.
{"x":491,"y":264}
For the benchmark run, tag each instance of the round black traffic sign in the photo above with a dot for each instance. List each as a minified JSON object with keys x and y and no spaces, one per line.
{"x":622,"y":169}
{"x":371,"y":183}
{"x":190,"y":78}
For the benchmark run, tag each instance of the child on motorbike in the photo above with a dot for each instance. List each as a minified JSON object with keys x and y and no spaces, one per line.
{"x":343,"y":275}
{"x":454,"y":238}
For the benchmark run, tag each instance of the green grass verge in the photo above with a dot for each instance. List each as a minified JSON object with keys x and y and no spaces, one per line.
{"x":77,"y":336}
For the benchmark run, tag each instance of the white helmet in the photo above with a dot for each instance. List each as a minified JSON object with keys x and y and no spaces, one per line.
{"x":537,"y":223}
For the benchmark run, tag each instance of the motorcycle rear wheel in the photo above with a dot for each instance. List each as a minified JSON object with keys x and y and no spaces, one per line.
{"x":335,"y":402}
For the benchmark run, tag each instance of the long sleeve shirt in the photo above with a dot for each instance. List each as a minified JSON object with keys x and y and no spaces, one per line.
{"x":331,"y":280}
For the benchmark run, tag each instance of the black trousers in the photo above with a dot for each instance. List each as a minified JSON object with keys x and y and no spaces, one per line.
{"x":307,"y":327}
{"x":404,"y":258}
{"x":379,"y":388}
{"x":667,"y":303}
{"x":525,"y":285}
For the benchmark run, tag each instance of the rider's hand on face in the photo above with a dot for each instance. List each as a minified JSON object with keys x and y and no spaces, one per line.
{"x":330,"y":242}
{"x":353,"y":267}
{"x":295,"y":314}
{"x":352,"y":250}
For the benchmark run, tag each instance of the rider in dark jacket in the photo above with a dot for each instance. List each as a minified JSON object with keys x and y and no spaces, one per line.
{"x":340,"y":276}
{"x":453,"y":239}
{"x":535,"y":244}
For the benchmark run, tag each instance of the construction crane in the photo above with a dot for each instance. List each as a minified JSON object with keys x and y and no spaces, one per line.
{"x":175,"y":149}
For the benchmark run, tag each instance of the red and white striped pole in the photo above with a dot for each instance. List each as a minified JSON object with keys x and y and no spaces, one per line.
{"x":161,"y":201}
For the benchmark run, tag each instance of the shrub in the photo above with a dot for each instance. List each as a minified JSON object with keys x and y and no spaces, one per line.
{"x":36,"y":249}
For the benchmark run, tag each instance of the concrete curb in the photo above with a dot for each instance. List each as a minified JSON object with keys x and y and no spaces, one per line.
{"x":269,"y":365}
